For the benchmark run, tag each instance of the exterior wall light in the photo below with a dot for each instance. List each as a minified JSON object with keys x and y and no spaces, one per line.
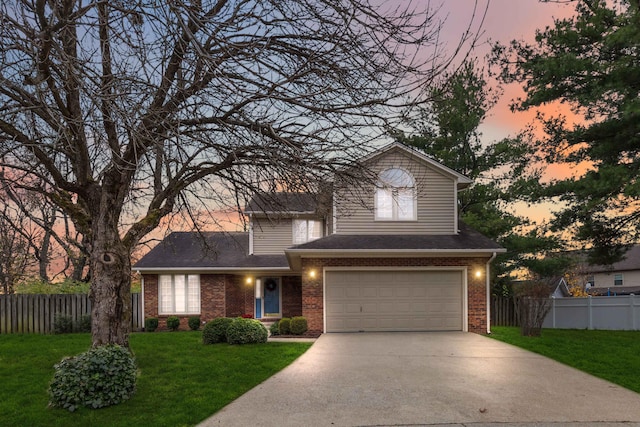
{"x":478,"y":273}
{"x":249,"y":280}
{"x":312,"y":274}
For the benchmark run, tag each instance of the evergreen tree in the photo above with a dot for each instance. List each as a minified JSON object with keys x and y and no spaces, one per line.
{"x":590,"y":62}
{"x":447,"y":129}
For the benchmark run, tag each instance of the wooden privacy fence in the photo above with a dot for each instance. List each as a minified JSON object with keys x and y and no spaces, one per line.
{"x":503,"y":312}
{"x":35,"y":313}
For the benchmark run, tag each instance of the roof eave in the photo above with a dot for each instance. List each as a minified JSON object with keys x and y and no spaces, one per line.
{"x":206,"y":269}
{"x":294,"y":256}
{"x":267,"y":213}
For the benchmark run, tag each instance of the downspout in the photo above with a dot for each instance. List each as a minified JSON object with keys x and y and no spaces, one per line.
{"x":488,"y":286}
{"x":250,"y":234}
{"x":142,"y":296}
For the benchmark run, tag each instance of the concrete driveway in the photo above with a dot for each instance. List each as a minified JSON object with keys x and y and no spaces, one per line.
{"x":379,"y":379}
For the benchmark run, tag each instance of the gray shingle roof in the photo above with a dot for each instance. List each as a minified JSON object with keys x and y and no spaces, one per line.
{"x":214,"y":250}
{"x":282,"y":203}
{"x":466,"y":239}
{"x":631,"y":261}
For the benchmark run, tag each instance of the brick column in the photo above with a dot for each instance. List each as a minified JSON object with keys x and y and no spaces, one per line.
{"x":312,"y":295}
{"x":477,"y":299}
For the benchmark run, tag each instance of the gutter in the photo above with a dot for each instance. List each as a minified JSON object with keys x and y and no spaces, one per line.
{"x":142,"y":296}
{"x":488,"y":286}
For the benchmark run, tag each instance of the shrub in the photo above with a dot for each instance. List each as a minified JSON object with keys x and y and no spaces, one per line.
{"x":150,"y":324}
{"x":194,"y":323}
{"x":246,"y":331}
{"x":216,"y":331}
{"x":298,"y":325}
{"x":173,"y":323}
{"x":84,"y":324}
{"x":532,"y":303}
{"x":38,"y":286}
{"x":100,"y":377}
{"x":62,"y":324}
{"x":284,"y":326}
{"x":274,"y":329}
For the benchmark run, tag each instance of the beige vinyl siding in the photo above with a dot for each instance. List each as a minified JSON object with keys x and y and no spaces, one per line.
{"x":271,"y":236}
{"x":606,"y":280}
{"x":436,"y":203}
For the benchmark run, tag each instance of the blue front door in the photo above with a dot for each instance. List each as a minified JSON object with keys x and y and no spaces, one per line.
{"x":271,"y":297}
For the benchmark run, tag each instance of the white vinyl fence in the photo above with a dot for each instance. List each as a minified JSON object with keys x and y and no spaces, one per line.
{"x":608,"y":313}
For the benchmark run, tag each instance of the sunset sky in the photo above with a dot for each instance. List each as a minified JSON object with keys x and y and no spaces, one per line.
{"x":507,"y":20}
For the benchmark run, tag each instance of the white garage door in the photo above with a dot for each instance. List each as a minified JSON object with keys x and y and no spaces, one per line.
{"x":393,"y":301}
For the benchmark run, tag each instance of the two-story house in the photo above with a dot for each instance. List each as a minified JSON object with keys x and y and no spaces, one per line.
{"x":390,"y":257}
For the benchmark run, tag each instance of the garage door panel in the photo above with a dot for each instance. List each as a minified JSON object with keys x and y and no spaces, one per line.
{"x":403,"y":291}
{"x":369,"y":292}
{"x":352,"y":308}
{"x":393,"y":301}
{"x":385,"y":291}
{"x":351,"y":292}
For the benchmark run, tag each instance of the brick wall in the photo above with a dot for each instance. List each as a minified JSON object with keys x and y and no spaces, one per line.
{"x":212,"y":296}
{"x":312,"y":292}
{"x":212,"y":299}
{"x":150,"y":295}
{"x":291,"y":296}
{"x":240,"y":296}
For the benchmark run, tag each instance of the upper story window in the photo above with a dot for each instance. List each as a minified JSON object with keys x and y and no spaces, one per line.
{"x":617,"y":279}
{"x":305,"y":230}
{"x":395,"y":198}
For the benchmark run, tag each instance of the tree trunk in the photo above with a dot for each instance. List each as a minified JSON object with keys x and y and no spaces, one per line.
{"x":110,"y":292}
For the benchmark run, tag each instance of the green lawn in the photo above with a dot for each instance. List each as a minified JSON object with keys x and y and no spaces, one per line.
{"x":611,"y":355}
{"x":181,"y":382}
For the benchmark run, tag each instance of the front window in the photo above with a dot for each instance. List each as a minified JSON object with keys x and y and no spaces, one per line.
{"x":617,"y":279}
{"x":305,"y":230}
{"x":179,"y":294}
{"x":395,"y":197}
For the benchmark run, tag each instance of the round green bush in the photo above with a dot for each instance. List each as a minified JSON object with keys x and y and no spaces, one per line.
{"x":83,"y":324}
{"x":298,"y":325}
{"x":62,"y":324}
{"x":150,"y":324}
{"x":274,"y":329}
{"x":284,"y":326}
{"x":173,"y":323}
{"x":246,"y":331}
{"x":194,"y":323}
{"x":100,"y":377}
{"x":216,"y":331}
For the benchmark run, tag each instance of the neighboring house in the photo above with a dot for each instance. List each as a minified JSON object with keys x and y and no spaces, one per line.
{"x":559,"y":288}
{"x":620,"y":278}
{"x":391,"y":257}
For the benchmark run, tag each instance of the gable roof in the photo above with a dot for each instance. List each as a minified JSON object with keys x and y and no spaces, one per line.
{"x":207,"y":251}
{"x":631,"y":261}
{"x":282,"y":203}
{"x":461,"y":180}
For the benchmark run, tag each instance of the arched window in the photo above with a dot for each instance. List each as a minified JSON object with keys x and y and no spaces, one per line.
{"x":395,"y":198}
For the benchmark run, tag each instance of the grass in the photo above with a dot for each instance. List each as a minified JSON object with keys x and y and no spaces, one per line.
{"x":181,"y":381}
{"x":610,"y":355}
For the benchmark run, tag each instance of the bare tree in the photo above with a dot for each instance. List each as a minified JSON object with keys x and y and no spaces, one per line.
{"x":15,"y":255}
{"x":131,"y":111}
{"x":44,"y":229}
